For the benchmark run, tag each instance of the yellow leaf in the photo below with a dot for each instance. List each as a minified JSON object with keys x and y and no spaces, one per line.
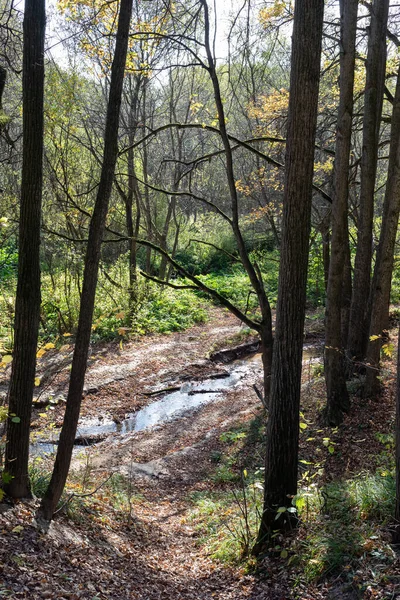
{"x":37,"y":381}
{"x":67,"y":334}
{"x":6,"y":359}
{"x":43,"y":415}
{"x":40,"y":353}
{"x":123,"y":330}
{"x":49,"y":345}
{"x":372,"y":338}
{"x":303,"y":425}
{"x":17,"y":529}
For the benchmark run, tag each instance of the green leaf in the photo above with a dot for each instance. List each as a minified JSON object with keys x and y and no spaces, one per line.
{"x":331,"y":449}
{"x":284,"y":554}
{"x":6,"y":477}
{"x":15,"y":420}
{"x":299,"y":502}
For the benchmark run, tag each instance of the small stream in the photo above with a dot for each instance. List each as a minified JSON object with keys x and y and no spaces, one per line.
{"x":171,"y":406}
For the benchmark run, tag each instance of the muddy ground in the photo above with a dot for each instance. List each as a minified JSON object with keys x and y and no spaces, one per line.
{"x":156,"y":553}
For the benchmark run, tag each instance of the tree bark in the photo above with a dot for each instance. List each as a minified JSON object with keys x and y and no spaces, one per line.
{"x":335,"y":378}
{"x":382,"y":280}
{"x":396,"y":534}
{"x":27,"y":306}
{"x":283,"y":425}
{"x":3,"y":78}
{"x":373,"y":100}
{"x":92,"y":259}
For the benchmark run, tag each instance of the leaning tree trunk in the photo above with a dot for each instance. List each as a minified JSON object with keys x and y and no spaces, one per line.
{"x":373,"y":100}
{"x":92,"y":259}
{"x":27,"y":306}
{"x":381,"y":284}
{"x":251,"y":269}
{"x":337,"y":395}
{"x":283,"y":424}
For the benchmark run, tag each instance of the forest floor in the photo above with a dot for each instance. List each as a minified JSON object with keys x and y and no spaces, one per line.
{"x":147,"y":509}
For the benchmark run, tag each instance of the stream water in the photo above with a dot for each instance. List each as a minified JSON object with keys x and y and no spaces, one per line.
{"x":171,"y":406}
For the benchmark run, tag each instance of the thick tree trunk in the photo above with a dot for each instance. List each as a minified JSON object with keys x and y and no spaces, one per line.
{"x":337,"y":395}
{"x":381,"y":284}
{"x":97,"y":224}
{"x":3,"y":78}
{"x":373,"y":99}
{"x":27,"y":306}
{"x":283,"y":424}
{"x":346,"y":294}
{"x":396,"y":535}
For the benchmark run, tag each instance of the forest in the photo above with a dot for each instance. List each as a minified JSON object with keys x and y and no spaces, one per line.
{"x":199,"y":299}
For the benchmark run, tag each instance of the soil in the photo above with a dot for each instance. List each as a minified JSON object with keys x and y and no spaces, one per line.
{"x":156,"y":552}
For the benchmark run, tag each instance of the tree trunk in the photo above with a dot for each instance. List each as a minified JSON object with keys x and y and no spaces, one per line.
{"x":337,"y":395}
{"x":381,"y":284}
{"x":373,"y":100}
{"x":97,"y":224}
{"x":3,"y":78}
{"x":396,"y":535}
{"x":283,"y":424}
{"x":252,"y":270}
{"x":346,"y":294}
{"x":27,"y":306}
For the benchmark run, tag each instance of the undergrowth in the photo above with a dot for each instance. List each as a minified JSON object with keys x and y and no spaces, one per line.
{"x":109,"y":499}
{"x":342,"y":523}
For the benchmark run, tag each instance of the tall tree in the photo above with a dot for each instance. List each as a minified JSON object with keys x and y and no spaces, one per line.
{"x":381,"y":283}
{"x":281,"y":461}
{"x":373,"y":100}
{"x":337,"y":395}
{"x":92,"y":259}
{"x":27,"y":307}
{"x":397,"y":506}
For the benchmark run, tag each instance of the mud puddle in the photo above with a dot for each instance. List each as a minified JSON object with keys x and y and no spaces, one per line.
{"x":174,"y":405}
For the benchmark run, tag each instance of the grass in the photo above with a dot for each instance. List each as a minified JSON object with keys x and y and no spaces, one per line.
{"x":342,"y":527}
{"x":85,"y":497}
{"x":341,"y":522}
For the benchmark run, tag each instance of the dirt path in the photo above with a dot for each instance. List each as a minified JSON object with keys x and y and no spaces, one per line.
{"x":154,"y":553}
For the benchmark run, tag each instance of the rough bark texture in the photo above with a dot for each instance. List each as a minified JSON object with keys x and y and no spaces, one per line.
{"x":337,"y":395}
{"x":373,"y":99}
{"x":381,"y":284}
{"x":397,"y":509}
{"x":3,"y":78}
{"x":97,"y":224}
{"x":283,"y":424}
{"x":27,"y":306}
